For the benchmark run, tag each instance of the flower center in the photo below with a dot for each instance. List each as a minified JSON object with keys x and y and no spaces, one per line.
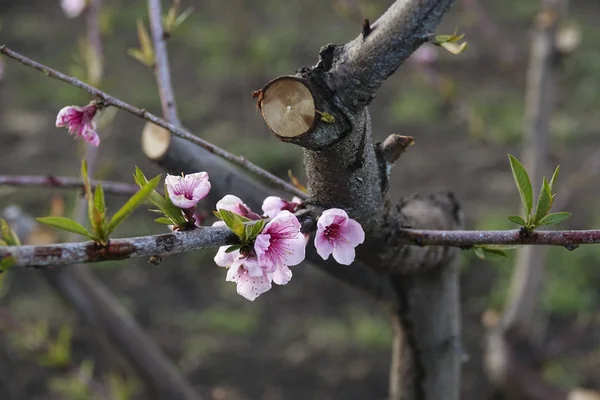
{"x":332,"y":232}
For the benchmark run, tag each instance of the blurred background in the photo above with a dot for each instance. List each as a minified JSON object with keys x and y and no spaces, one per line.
{"x":314,"y":338}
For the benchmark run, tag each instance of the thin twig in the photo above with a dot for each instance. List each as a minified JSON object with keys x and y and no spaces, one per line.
{"x":162,"y":71}
{"x":109,"y":100}
{"x":66,"y":182}
{"x":466,"y":239}
{"x":205,"y":237}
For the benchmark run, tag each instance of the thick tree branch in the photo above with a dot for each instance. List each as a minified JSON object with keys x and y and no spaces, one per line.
{"x":361,"y":66}
{"x":109,"y":100}
{"x":66,"y":182}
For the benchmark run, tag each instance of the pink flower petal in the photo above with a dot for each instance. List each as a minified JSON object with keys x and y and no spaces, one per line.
{"x":72,"y":8}
{"x":344,"y":253}
{"x":223,"y":259}
{"x":323,"y":246}
{"x":247,"y":286}
{"x":353,"y":232}
{"x":282,"y":275}
{"x":272,"y":205}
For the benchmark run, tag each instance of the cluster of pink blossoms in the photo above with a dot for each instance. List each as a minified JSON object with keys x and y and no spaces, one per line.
{"x":281,"y":244}
{"x":266,"y":260}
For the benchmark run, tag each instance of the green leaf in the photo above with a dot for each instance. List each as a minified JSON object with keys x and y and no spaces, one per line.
{"x":554,"y":218}
{"x":139,"y":177}
{"x":183,"y":16}
{"x":145,"y":42}
{"x":233,"y":248}
{"x":494,"y":253}
{"x":6,"y":263}
{"x":99,"y":213}
{"x":164,"y":221}
{"x":66,"y":224}
{"x":523,"y":184}
{"x":218,"y":215}
{"x":134,"y":202}
{"x":253,"y":230}
{"x":517,"y":220}
{"x":544,"y":202}
{"x":554,"y":176}
{"x":479,"y":252}
{"x":234,"y":222}
{"x":8,"y":235}
{"x":172,"y":211}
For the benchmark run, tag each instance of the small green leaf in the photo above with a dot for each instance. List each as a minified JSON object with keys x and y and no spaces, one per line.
{"x":255,"y":229}
{"x":99,"y":203}
{"x":134,"y":202}
{"x":328,"y":118}
{"x":233,"y":248}
{"x":145,"y":42}
{"x":494,"y":253}
{"x":479,"y":252}
{"x":99,"y":213}
{"x":164,"y":221}
{"x":66,"y":224}
{"x":183,"y":16}
{"x":554,"y":176}
{"x":544,"y":202}
{"x":234,"y":222}
{"x":523,"y":184}
{"x":6,"y":263}
{"x":173,"y":212}
{"x":517,"y":220}
{"x":218,"y":214}
{"x":139,"y":177}
{"x":8,"y":235}
{"x":554,"y":218}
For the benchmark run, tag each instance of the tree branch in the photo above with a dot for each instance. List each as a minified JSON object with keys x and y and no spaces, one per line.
{"x":65,"y":182}
{"x":162,"y":71}
{"x":205,"y":237}
{"x":467,"y":239}
{"x":361,"y":66}
{"x":180,"y":132}
{"x":118,"y":249}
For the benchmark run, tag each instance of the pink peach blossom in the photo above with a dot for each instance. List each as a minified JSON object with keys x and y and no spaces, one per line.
{"x":338,"y":234}
{"x":273,"y":204}
{"x":281,"y":242}
{"x":73,"y":8}
{"x":236,"y":205}
{"x":187,"y":190}
{"x":80,"y":122}
{"x":251,"y":279}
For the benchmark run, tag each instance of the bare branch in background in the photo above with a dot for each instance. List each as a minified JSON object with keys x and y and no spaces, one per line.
{"x":66,"y":182}
{"x":109,"y":100}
